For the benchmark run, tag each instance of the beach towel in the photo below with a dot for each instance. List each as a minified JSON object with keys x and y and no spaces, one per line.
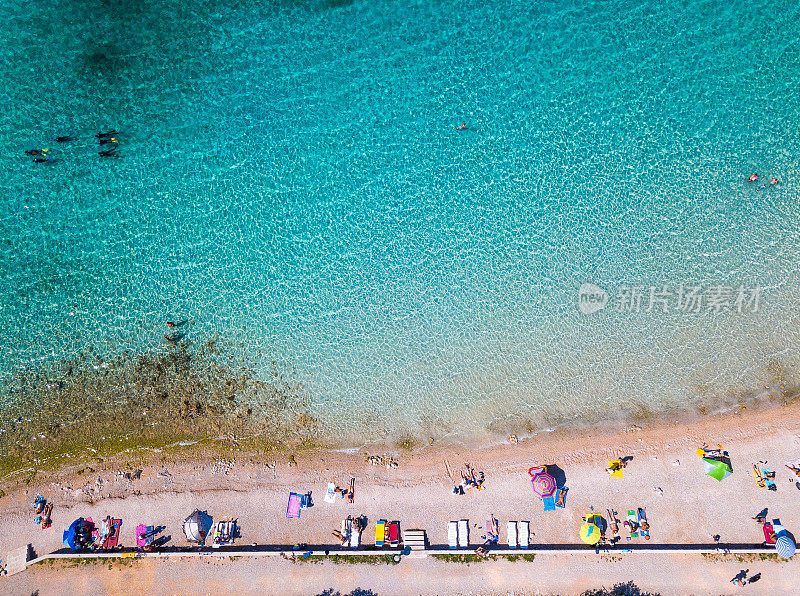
{"x":463,"y":533}
{"x":616,"y":468}
{"x":293,"y":509}
{"x":523,"y":533}
{"x":512,"y":534}
{"x":452,"y":534}
{"x":330,"y":494}
{"x":549,"y":503}
{"x":561,"y":497}
{"x":633,"y":523}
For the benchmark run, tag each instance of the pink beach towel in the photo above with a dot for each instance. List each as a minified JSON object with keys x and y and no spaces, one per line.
{"x":293,"y":509}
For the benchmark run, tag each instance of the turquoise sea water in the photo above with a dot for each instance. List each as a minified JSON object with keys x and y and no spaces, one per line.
{"x":291,"y":178}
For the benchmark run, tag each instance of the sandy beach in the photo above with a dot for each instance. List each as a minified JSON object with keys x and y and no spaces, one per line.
{"x":684,"y":506}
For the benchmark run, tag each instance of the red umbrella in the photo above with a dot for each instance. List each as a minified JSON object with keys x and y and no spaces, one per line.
{"x":544,"y":485}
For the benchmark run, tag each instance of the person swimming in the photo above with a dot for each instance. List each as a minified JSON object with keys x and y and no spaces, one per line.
{"x":463,"y":126}
{"x":752,"y":178}
{"x":37,"y":151}
{"x":108,"y":140}
{"x":110,"y":133}
{"x":43,"y":159}
{"x":108,"y":153}
{"x":64,"y":139}
{"x":773,"y":182}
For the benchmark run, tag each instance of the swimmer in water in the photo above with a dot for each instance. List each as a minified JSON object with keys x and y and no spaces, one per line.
{"x":170,"y":324}
{"x":752,"y":178}
{"x":108,"y":153}
{"x":773,"y":182}
{"x":64,"y":139}
{"x":463,"y":126}
{"x":110,"y":133}
{"x":107,"y":141}
{"x":37,"y":151}
{"x":43,"y":159}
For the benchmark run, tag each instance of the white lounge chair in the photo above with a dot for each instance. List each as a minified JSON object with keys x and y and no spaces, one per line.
{"x":512,"y":534}
{"x":523,"y":533}
{"x":463,"y":533}
{"x":347,"y":531}
{"x":452,"y":534}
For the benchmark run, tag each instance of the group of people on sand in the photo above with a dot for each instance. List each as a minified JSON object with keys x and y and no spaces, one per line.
{"x":469,"y":479}
{"x":103,"y":139}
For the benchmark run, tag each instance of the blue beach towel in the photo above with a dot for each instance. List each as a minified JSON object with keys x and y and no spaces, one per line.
{"x":549,"y":503}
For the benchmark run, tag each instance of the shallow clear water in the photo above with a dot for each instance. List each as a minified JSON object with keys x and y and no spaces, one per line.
{"x":292,"y":179}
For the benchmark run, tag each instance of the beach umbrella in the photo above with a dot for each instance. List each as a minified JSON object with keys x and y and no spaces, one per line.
{"x":544,"y":485}
{"x":590,"y":533}
{"x":196,"y":526}
{"x":785,"y":546}
{"x":70,"y":533}
{"x":718,"y":470}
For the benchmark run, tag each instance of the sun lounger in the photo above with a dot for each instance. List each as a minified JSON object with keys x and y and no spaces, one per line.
{"x":452,"y":534}
{"x":523,"y":533}
{"x":293,"y":508}
{"x":768,"y":481}
{"x":769,"y":534}
{"x":112,"y":540}
{"x":549,"y":503}
{"x":643,"y":520}
{"x":394,"y":534}
{"x":633,"y":523}
{"x":463,"y":533}
{"x":512,"y":534}
{"x":492,"y":532}
{"x":144,"y":535}
{"x":612,"y":521}
{"x":347,"y":530}
{"x":380,"y":532}
{"x":355,"y":535}
{"x":561,"y":497}
{"x":330,"y":494}
{"x":759,"y":478}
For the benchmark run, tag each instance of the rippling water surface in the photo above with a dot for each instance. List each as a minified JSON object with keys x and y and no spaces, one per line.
{"x":291,"y":178}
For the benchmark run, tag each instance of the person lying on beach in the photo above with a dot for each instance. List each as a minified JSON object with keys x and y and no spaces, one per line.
{"x":794,"y":469}
{"x":562,"y":494}
{"x":718,"y":451}
{"x":617,"y":464}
